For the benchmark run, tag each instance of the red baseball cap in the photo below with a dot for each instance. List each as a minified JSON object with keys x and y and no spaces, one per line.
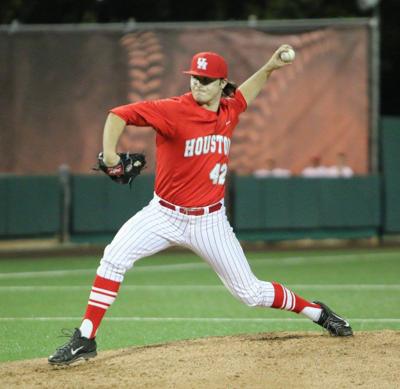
{"x":208,"y":64}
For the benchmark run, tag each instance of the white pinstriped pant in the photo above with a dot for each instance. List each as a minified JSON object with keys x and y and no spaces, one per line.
{"x":156,"y":228}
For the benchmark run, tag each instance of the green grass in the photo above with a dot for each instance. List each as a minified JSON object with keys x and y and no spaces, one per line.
{"x":160,"y":303}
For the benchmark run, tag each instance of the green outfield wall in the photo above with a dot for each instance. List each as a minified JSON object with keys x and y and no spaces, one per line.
{"x":100,"y":205}
{"x":296,"y":208}
{"x":29,"y":206}
{"x":267,"y":209}
{"x":390,"y":141}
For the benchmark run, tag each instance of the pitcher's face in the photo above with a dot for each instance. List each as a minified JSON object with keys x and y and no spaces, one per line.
{"x":206,"y":90}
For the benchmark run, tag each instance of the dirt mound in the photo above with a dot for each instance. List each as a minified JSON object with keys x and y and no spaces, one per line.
{"x":267,"y":360}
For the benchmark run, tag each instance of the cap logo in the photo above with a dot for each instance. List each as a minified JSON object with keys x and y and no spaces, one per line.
{"x":202,"y":63}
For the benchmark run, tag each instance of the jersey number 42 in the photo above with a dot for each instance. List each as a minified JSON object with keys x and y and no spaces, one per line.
{"x":218,"y":174}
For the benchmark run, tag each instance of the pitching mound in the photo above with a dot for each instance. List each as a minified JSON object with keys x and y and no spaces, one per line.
{"x":269,"y":360}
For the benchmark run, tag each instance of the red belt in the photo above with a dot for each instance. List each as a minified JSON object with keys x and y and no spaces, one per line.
{"x":192,"y":211}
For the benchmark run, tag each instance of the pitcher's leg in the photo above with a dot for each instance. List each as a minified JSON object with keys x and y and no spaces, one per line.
{"x":146,"y":233}
{"x":215,"y":241}
{"x":219,"y":247}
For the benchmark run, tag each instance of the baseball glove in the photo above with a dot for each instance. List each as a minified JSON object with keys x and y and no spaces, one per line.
{"x":129,"y":166}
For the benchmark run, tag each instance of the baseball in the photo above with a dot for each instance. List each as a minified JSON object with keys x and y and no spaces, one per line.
{"x":288,"y":55}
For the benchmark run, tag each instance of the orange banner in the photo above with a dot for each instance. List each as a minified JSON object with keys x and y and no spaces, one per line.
{"x":59,"y":87}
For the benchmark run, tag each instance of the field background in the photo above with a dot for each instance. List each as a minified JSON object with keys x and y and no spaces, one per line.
{"x":176,"y":296}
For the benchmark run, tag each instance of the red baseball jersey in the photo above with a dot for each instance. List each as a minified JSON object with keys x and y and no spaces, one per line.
{"x":192,"y":145}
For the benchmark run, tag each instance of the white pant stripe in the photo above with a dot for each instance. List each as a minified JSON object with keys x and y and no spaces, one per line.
{"x":98,"y":305}
{"x":293,"y":301}
{"x":104,"y":291}
{"x":284,"y":298}
{"x":289,"y":299}
{"x":101,"y":298}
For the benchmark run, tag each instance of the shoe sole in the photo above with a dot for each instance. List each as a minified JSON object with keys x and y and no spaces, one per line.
{"x":86,"y":357}
{"x":348,"y":332}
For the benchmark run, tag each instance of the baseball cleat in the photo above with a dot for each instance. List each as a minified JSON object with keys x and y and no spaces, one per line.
{"x":76,"y":348}
{"x":332,"y":322}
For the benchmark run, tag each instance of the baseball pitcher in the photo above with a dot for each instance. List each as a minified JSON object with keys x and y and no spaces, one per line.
{"x":193,"y":139}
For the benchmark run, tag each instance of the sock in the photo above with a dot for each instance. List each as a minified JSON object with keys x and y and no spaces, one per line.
{"x":286,"y":299}
{"x":103,"y":294}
